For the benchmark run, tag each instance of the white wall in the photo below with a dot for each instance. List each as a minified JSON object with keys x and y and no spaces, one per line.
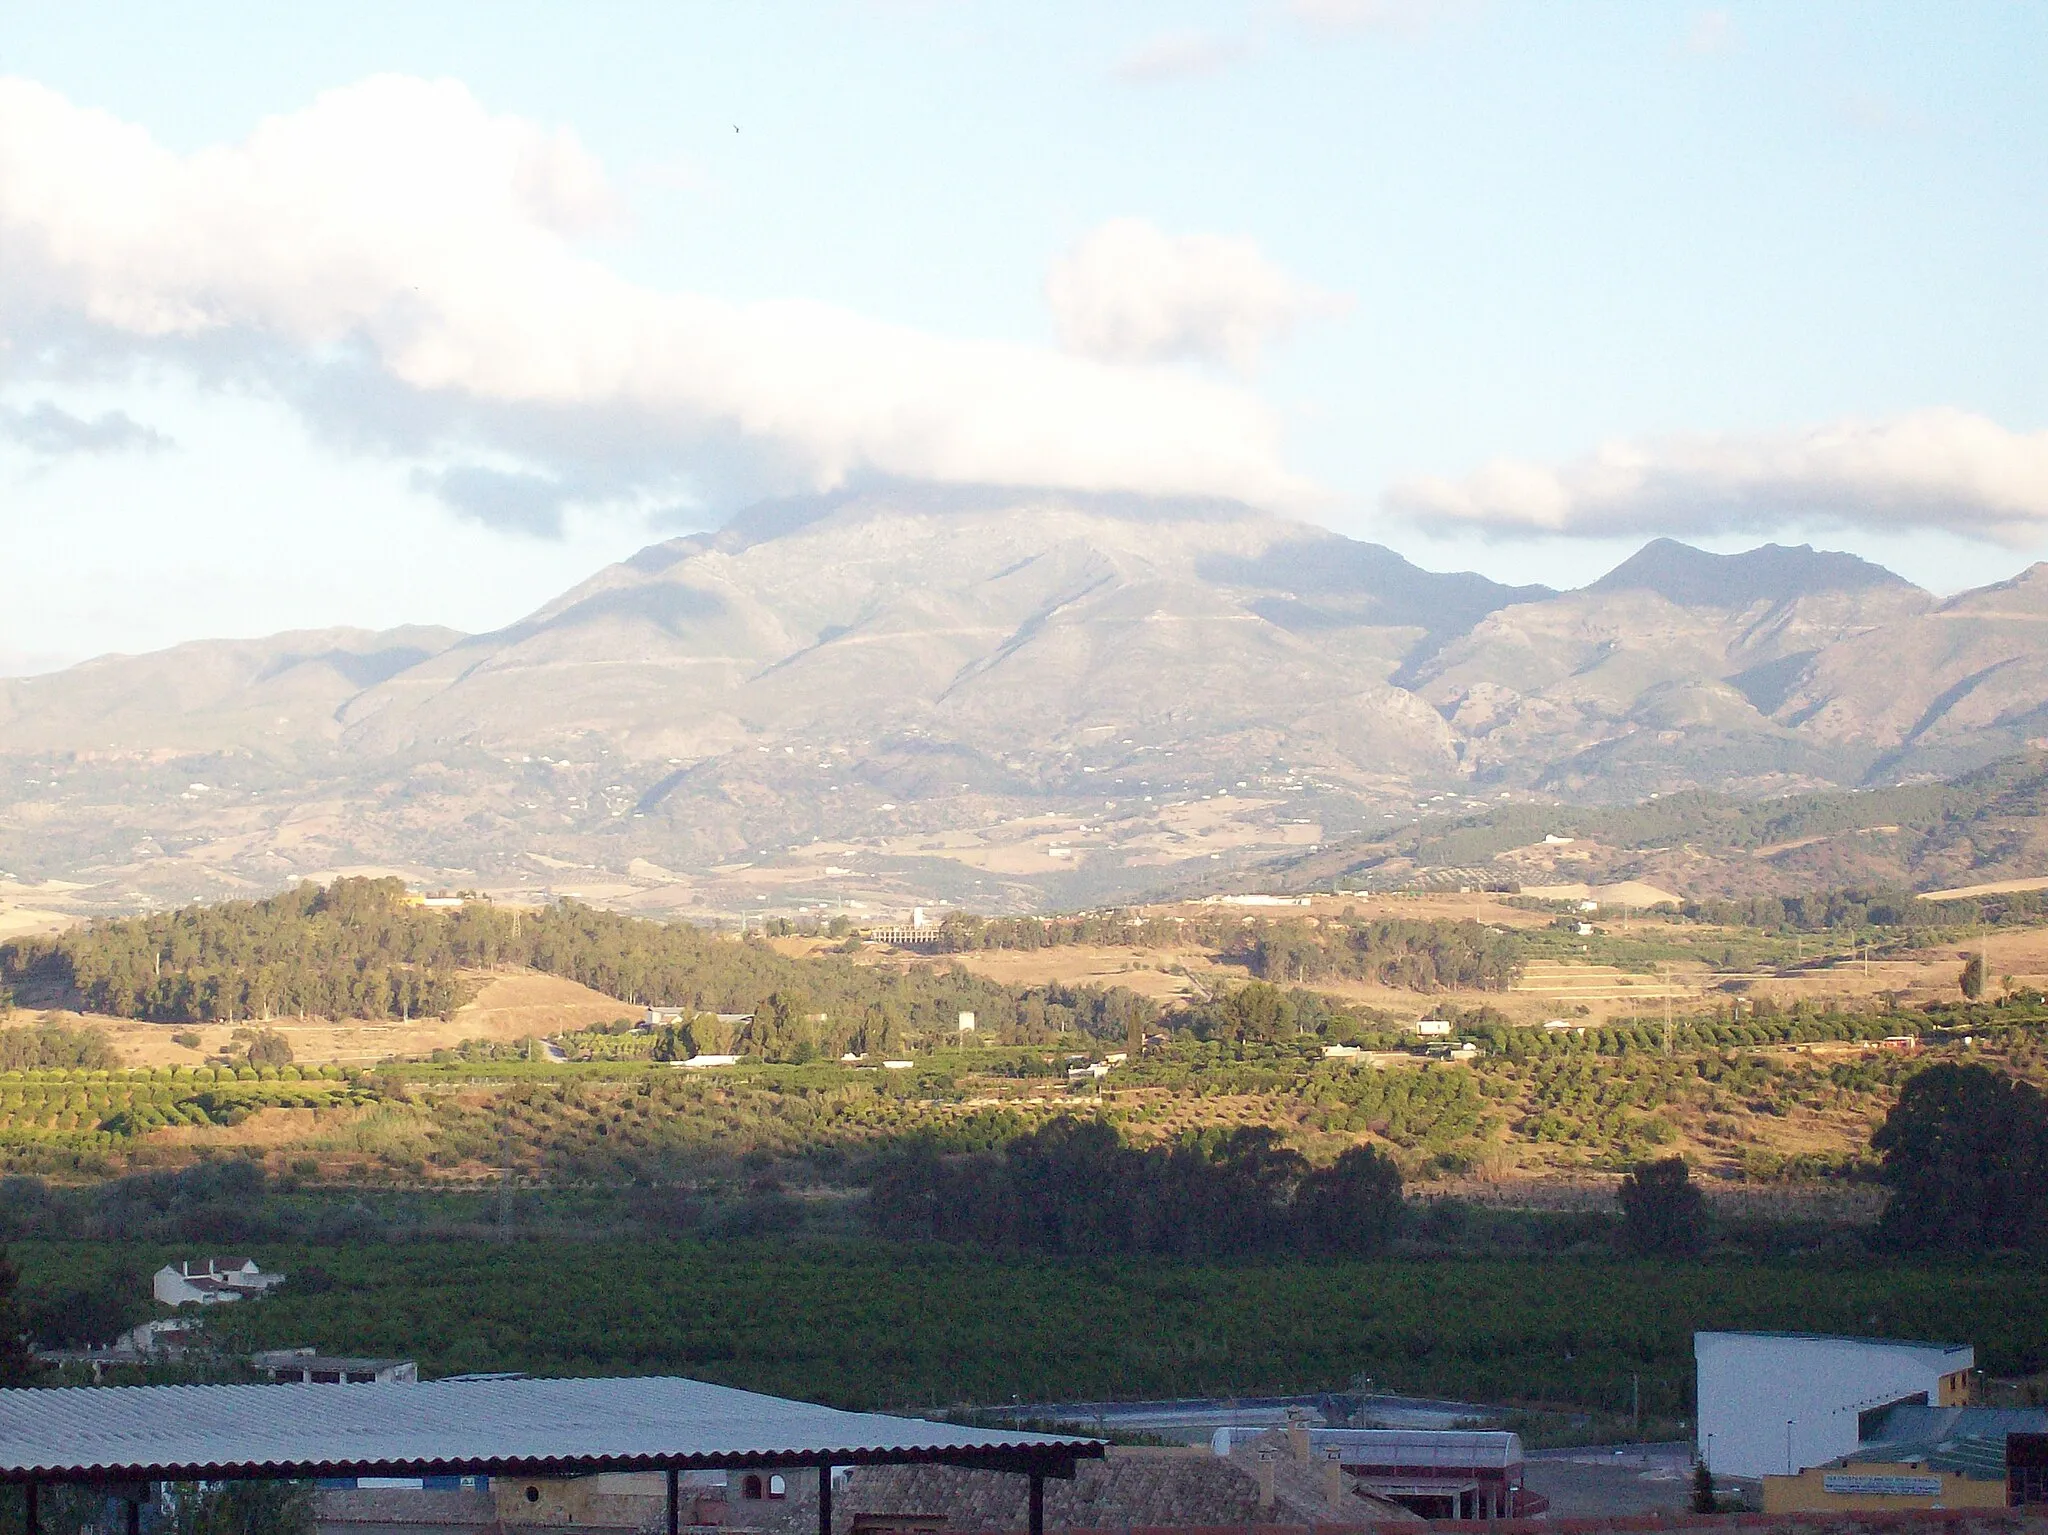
{"x":1752,"y":1384}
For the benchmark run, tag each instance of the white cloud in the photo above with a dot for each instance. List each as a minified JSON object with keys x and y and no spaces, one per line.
{"x":1181,"y":56}
{"x":399,"y":264}
{"x":1938,"y":469}
{"x":507,"y":499}
{"x":48,"y":429}
{"x":1128,"y":292}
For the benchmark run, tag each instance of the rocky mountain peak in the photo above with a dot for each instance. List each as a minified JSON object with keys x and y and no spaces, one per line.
{"x":1698,"y":578}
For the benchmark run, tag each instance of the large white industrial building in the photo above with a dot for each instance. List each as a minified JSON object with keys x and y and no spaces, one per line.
{"x":1774,"y":1403}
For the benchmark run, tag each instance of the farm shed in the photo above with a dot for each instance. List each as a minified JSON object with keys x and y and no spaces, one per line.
{"x":1773,"y":1403}
{"x":1438,"y":1473}
{"x":125,"y":1438}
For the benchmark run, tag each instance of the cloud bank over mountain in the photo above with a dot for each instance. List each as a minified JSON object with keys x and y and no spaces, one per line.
{"x":1939,"y":469}
{"x":404,"y":267}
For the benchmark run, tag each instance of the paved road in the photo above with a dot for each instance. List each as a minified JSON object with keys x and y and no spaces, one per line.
{"x":1612,"y":1479}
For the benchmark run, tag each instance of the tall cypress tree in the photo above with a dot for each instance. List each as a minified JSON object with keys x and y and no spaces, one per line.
{"x":18,"y":1363}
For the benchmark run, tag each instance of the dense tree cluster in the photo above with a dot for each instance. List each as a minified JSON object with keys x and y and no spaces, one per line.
{"x":1394,"y":951}
{"x":18,"y":1365}
{"x":1076,"y":1186}
{"x":96,"y":1107}
{"x":1763,"y":1024}
{"x":887,"y":1327}
{"x":1663,"y":1215}
{"x":1855,"y":908}
{"x":353,"y":949}
{"x":53,"y":1047}
{"x":1421,"y":955}
{"x":1965,"y":1156}
{"x":358,"y":949}
{"x":962,"y":932}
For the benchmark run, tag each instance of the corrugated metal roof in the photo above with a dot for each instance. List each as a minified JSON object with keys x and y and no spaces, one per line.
{"x":1833,"y":1337}
{"x":176,"y":1433}
{"x":1912,"y":1423}
{"x":1969,"y":1441}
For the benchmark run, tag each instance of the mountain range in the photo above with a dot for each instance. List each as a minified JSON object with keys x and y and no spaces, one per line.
{"x":998,"y":697}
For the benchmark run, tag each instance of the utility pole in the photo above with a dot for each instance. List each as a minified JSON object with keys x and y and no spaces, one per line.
{"x":1667,"y":1010}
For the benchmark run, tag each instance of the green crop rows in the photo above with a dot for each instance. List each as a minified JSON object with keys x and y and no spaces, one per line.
{"x":864,"y":1325}
{"x":80,"y":1108}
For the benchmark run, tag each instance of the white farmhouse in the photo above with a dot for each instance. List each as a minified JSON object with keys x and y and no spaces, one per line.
{"x":1774,"y":1403}
{"x":210,"y":1281}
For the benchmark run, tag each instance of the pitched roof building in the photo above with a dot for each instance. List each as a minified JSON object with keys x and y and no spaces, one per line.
{"x":209,"y":1281}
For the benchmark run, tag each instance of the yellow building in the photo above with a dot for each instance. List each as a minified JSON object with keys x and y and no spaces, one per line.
{"x":1877,"y":1487}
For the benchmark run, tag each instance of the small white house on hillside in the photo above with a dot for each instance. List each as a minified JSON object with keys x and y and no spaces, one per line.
{"x":210,"y":1281}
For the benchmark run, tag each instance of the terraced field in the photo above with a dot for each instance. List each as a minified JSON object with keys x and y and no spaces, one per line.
{"x":1604,"y":989}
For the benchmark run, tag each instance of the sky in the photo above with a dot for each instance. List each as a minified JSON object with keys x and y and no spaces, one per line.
{"x":387,"y":314}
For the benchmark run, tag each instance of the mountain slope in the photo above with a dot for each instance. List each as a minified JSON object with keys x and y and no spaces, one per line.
{"x":273,"y":694}
{"x":1016,"y":627}
{"x":1000,"y":696}
{"x":1695,"y":578}
{"x":1988,"y":825}
{"x":1673,"y":669}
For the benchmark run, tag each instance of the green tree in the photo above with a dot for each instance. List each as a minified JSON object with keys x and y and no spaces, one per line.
{"x":1662,"y":1213}
{"x":1353,"y":1206}
{"x":879,"y":1031}
{"x":18,"y":1363}
{"x":1965,"y":1156}
{"x":1703,"y":1489}
{"x":242,"y":1508}
{"x":270,"y":1048}
{"x":1972,"y":978}
{"x":1259,"y":1011}
{"x":45,"y":1045}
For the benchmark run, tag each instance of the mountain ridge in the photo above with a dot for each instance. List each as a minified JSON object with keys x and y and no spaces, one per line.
{"x":1694,"y":577}
{"x":899,"y":669}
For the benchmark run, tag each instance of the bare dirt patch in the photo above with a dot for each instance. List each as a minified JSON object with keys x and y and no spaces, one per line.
{"x":1996,"y":887}
{"x":1631,"y":894}
{"x":1145,"y":971}
{"x":512,"y":1005}
{"x":1915,"y":978}
{"x":518,"y":1003}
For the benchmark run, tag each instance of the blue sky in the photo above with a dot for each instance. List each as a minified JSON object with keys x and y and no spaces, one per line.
{"x":1510,"y":287}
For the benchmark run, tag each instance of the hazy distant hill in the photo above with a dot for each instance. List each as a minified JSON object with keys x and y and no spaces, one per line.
{"x":1987,"y":825}
{"x":1693,"y":578}
{"x":273,"y":694}
{"x":899,"y":667}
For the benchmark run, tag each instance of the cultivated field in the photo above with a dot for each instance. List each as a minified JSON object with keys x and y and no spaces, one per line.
{"x":510,"y":1006}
